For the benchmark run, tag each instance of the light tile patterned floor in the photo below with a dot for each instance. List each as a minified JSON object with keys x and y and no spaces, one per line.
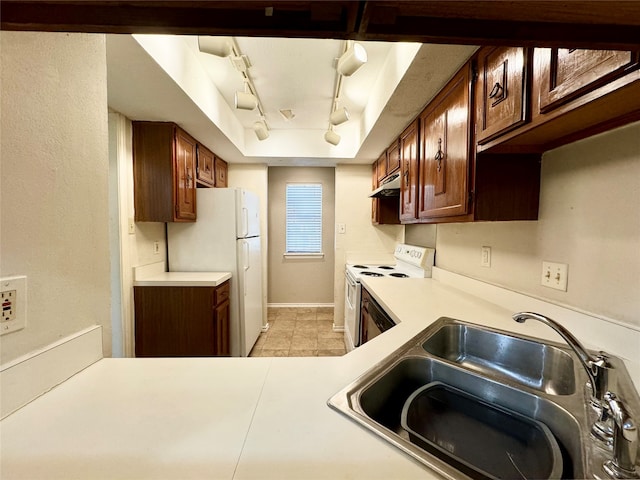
{"x":299,"y":332}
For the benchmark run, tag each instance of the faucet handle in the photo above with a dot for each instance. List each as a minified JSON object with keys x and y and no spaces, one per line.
{"x":625,"y":441}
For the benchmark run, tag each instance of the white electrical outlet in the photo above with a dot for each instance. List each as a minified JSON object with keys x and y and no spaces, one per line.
{"x":13,"y":292}
{"x":485,"y":257}
{"x":156,"y":247}
{"x":555,"y":275}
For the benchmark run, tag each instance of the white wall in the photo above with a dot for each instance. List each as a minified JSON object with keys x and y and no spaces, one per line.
{"x":254,"y":177}
{"x":304,"y":280}
{"x":589,"y":218}
{"x":362,"y":241}
{"x":54,"y":196}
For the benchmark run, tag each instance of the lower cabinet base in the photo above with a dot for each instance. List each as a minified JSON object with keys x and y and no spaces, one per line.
{"x":180,"y":322}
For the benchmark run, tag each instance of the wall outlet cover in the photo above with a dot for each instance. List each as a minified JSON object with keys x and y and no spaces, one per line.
{"x":13,"y":291}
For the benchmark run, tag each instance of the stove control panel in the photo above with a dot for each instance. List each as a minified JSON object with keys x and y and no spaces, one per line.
{"x":414,"y":255}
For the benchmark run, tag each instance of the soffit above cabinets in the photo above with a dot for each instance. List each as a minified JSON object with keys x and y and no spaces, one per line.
{"x":167,"y":78}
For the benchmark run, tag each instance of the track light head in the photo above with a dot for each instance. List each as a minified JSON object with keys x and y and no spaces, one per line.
{"x":332,"y":137}
{"x":339,"y":116}
{"x":352,"y":60}
{"x":245,"y":101}
{"x":218,"y":46}
{"x":262,"y":132}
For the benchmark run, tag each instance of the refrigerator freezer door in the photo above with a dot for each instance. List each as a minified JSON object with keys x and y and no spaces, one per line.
{"x":250,"y":292}
{"x":248,"y":216}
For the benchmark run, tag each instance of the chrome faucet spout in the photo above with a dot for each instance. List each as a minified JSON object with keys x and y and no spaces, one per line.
{"x":597,"y":368}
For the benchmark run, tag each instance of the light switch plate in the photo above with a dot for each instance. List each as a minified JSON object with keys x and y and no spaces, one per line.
{"x":13,"y":291}
{"x":555,"y":275}
{"x":485,"y":257}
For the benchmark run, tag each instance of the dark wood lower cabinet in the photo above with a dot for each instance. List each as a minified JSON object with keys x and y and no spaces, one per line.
{"x":182,"y":321}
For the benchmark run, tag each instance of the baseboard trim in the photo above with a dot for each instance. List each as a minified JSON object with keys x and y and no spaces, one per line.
{"x":26,"y":378}
{"x":300,"y":305}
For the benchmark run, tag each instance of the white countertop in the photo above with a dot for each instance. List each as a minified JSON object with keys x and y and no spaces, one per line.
{"x":154,"y":275}
{"x":240,"y":418}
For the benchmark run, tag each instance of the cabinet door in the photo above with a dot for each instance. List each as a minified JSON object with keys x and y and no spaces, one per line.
{"x":409,"y":174}
{"x":221,"y":330}
{"x":185,"y":187}
{"x":393,"y":157}
{"x":375,"y":202}
{"x":205,"y":167}
{"x":221,"y":173}
{"x":445,"y":151}
{"x":569,"y":73}
{"x":502,"y":91}
{"x":382,"y":166}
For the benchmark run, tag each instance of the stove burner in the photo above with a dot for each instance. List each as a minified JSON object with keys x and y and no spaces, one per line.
{"x":360,"y":266}
{"x":372,"y":274}
{"x":385,"y":267}
{"x":399,"y":275}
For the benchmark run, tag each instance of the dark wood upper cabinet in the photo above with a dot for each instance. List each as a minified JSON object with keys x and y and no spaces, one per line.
{"x":164,"y":164}
{"x":205,"y":176}
{"x":445,"y":151}
{"x":381,"y":167}
{"x":569,"y":73}
{"x":409,"y":170}
{"x":220,"y":173}
{"x":502,"y":90}
{"x":385,"y":210}
{"x":393,"y":157}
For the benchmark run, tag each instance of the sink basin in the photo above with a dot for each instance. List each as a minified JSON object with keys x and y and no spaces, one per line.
{"x":533,"y":364}
{"x":378,"y":403}
{"x":537,"y":381}
{"x":450,"y":422}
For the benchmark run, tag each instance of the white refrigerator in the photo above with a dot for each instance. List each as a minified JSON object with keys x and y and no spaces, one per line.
{"x":225,"y":237}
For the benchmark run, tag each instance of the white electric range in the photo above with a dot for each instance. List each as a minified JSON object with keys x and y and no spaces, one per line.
{"x":411,"y":262}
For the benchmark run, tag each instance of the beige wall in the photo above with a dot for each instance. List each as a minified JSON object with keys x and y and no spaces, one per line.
{"x":362,"y":241}
{"x":302,"y":280}
{"x":254,"y":177}
{"x":54,"y":204}
{"x":589,"y":219}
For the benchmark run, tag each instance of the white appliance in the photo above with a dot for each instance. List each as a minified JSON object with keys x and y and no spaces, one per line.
{"x":411,"y":262}
{"x":226,"y":237}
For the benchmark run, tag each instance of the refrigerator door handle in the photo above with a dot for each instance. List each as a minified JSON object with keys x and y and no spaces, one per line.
{"x":245,"y":221}
{"x":246,"y":262}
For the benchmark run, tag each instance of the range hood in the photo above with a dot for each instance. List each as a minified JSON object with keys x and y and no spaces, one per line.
{"x":390,"y":188}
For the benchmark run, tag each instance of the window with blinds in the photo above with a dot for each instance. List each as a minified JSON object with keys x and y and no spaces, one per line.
{"x":304,"y":218}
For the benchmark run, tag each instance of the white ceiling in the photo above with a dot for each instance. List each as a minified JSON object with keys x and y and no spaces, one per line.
{"x":296,"y":74}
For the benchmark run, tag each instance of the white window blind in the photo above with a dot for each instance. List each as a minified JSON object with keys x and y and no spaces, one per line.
{"x":304,"y":218}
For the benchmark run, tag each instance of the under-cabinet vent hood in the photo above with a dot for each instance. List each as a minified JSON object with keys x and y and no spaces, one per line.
{"x":390,"y":188}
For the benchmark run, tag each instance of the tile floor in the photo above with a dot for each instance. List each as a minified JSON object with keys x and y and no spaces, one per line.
{"x":299,"y":332}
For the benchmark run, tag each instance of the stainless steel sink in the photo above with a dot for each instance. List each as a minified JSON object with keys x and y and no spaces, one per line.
{"x":538,"y":380}
{"x":532,"y":364}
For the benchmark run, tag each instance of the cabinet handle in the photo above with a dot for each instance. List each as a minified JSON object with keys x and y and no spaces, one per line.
{"x":406,"y":177}
{"x":496,"y":91}
{"x":439,"y":155}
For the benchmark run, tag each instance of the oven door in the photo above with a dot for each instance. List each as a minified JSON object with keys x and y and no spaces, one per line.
{"x":351,"y":311}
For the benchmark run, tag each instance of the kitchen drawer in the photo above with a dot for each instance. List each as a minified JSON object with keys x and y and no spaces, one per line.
{"x":221,"y":293}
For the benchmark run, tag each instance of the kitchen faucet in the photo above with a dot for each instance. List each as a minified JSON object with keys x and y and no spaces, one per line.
{"x":625,"y":441}
{"x":601,"y":375}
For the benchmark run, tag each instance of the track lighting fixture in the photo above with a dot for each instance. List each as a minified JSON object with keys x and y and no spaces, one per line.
{"x":339,"y":116}
{"x":332,"y":137}
{"x":262,"y":132}
{"x":246,"y":101}
{"x":352,"y":59}
{"x":218,"y":46}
